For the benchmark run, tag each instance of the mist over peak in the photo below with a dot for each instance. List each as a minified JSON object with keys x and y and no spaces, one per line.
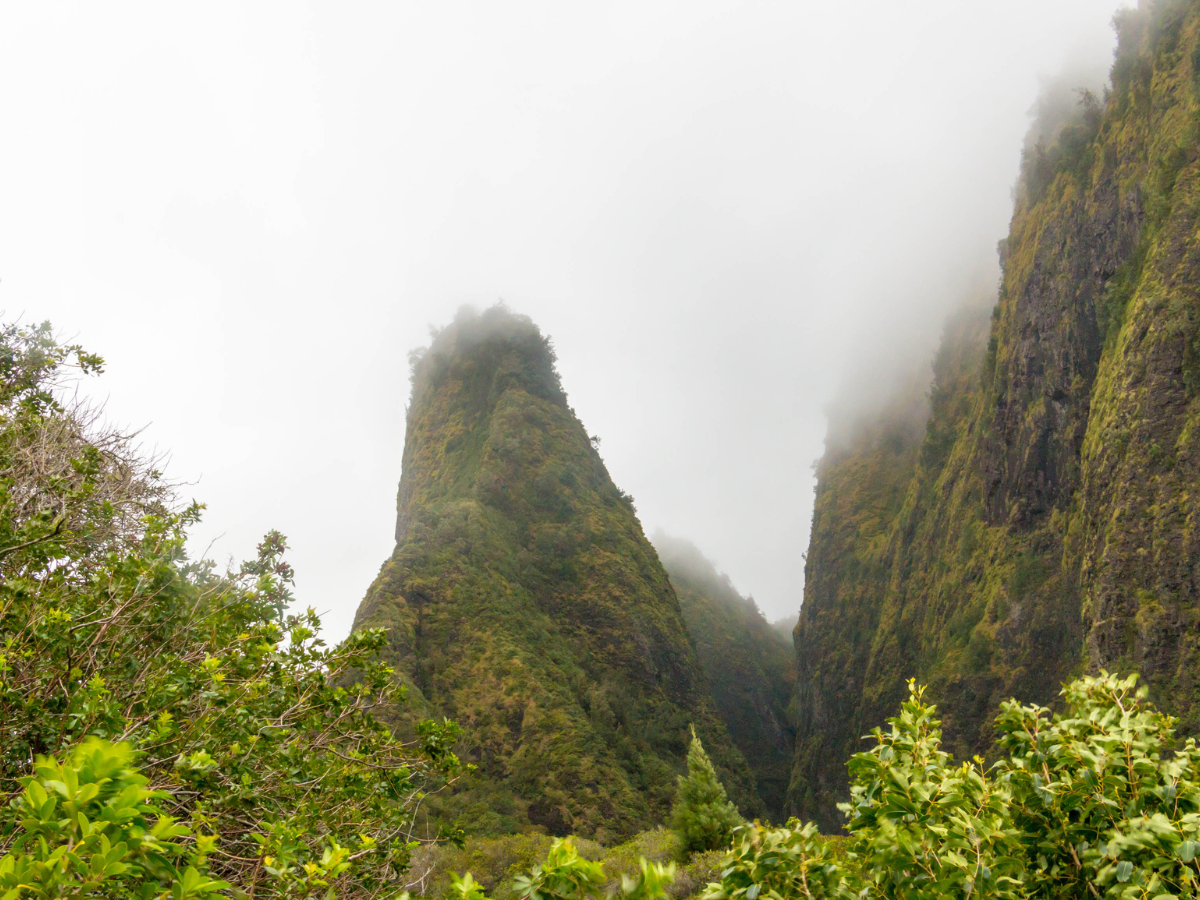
{"x":498,"y":342}
{"x":684,"y":559}
{"x":720,"y":211}
{"x":471,"y":327}
{"x":887,"y":371}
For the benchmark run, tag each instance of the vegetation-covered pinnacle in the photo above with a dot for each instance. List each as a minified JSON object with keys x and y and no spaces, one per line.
{"x":524,"y":601}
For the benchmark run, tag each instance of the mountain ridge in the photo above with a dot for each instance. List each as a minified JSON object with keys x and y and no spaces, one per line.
{"x":1044,"y":522}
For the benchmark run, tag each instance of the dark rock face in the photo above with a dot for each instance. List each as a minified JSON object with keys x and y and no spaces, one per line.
{"x":1042,"y":383}
{"x":524,"y":601}
{"x":1046,"y":521}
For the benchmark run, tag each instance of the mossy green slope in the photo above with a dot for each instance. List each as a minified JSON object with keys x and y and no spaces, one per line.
{"x":1134,"y":531}
{"x":524,"y":601}
{"x":1046,"y":520}
{"x":749,"y":665}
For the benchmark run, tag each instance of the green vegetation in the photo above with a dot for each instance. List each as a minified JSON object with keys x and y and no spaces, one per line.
{"x":702,"y":815}
{"x":861,"y":490}
{"x":1030,"y":515}
{"x":781,"y":863}
{"x":166,"y":728}
{"x":495,"y":863}
{"x":1071,"y":149}
{"x":566,"y":875}
{"x":90,"y":824}
{"x":1096,"y":802}
{"x":1045,"y":522}
{"x":1101,"y":800}
{"x":523,"y":601}
{"x":750,"y":666}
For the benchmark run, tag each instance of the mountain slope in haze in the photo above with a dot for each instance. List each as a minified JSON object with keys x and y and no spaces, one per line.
{"x":785,"y":626}
{"x":873,"y":484}
{"x":750,"y":667}
{"x":524,"y":601}
{"x":1046,"y":521}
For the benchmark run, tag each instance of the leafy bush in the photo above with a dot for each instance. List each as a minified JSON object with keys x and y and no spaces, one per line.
{"x":693,"y":876}
{"x":90,"y":825}
{"x":656,"y":845}
{"x":1091,"y":803}
{"x":257,"y":742}
{"x":1101,"y":799}
{"x":780,"y":862}
{"x":702,"y":815}
{"x":495,"y":862}
{"x":566,"y":875}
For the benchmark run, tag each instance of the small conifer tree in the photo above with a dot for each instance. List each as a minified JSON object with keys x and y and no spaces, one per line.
{"x":703,"y":816}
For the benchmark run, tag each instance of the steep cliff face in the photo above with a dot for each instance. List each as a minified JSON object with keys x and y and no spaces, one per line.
{"x":524,"y":601}
{"x":749,"y":665}
{"x":1134,"y":534}
{"x":1048,"y":519}
{"x":861,"y":487}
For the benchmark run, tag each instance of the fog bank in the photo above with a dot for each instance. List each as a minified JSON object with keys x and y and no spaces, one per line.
{"x":719,"y":211}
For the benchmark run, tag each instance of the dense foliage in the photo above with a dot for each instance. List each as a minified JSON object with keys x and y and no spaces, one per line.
{"x":523,"y":600}
{"x":702,"y":815}
{"x":1045,"y":520}
{"x":750,"y":666}
{"x":495,"y":863}
{"x":167,"y":729}
{"x":1095,"y":802}
{"x":566,"y":875}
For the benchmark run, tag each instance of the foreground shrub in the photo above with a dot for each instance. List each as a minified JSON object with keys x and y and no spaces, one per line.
{"x":1095,"y":802}
{"x":1102,"y":799}
{"x":90,"y":826}
{"x":779,"y":863}
{"x":493,"y":862}
{"x":662,"y":845}
{"x":256,"y":742}
{"x":566,"y":875}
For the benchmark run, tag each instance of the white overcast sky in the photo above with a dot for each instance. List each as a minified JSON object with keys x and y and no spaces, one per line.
{"x":716,"y":208}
